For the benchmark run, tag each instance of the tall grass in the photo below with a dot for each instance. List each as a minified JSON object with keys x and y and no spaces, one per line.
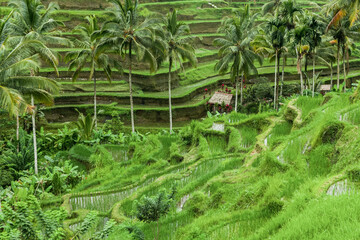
{"x":306,"y":104}
{"x":326,"y":218}
{"x":217,"y":144}
{"x":248,"y":136}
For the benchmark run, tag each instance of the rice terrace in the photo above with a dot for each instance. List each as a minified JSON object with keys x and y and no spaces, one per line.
{"x":179,"y":119}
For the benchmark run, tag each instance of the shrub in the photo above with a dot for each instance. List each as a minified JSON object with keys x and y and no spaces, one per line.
{"x":198,"y":203}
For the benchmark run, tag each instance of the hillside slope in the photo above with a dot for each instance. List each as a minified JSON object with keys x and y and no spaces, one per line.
{"x":285,"y":175}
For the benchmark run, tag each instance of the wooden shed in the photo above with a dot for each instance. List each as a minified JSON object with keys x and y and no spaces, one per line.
{"x":325,"y":88}
{"x":220,"y":98}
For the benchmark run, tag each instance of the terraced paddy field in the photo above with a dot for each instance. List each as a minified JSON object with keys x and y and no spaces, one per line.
{"x":204,"y":19}
{"x":260,"y":173}
{"x":253,"y":180}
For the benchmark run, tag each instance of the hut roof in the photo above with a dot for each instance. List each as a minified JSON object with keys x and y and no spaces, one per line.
{"x":325,"y":87}
{"x":219,"y":98}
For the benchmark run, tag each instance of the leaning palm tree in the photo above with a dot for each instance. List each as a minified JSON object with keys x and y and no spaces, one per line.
{"x":15,"y":81}
{"x":89,"y":38}
{"x":31,"y":20}
{"x":129,"y":34}
{"x":179,"y":48}
{"x":235,"y":49}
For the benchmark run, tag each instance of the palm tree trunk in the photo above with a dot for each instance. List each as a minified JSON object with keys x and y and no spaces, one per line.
{"x":237,"y":90}
{"x":344,"y":66}
{"x":170,"y":110}
{"x":34,"y":134}
{"x":300,"y":73}
{"x":131,"y":93}
{"x":338,"y":68}
{"x":95,"y":111}
{"x":282,"y":75}
{"x":331,"y":74}
{"x":17,"y":131}
{"x":242,"y":89}
{"x":275,"y":80}
{"x":313,"y":83}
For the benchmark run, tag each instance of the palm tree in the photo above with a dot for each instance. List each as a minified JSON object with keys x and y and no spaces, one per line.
{"x":301,"y":49}
{"x":33,"y":21}
{"x":14,"y":80}
{"x":31,"y":18}
{"x":343,"y":34}
{"x":89,"y":38}
{"x":316,"y":29}
{"x":340,"y":9}
{"x":270,"y":42}
{"x":179,"y":47}
{"x":129,"y":34}
{"x":235,"y":49}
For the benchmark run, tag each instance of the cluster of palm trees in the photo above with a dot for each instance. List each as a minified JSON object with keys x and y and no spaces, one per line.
{"x":28,"y":33}
{"x":285,"y":30}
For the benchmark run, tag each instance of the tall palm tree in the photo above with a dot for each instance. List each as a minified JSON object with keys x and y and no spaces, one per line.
{"x":343,"y":34}
{"x":301,"y":49}
{"x":130,"y":35}
{"x":89,"y":38}
{"x":235,"y":48}
{"x":270,"y":42}
{"x":33,"y":21}
{"x":179,"y":47}
{"x":316,"y":29}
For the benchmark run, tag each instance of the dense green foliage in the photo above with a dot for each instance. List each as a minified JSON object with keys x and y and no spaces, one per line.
{"x":283,"y":165}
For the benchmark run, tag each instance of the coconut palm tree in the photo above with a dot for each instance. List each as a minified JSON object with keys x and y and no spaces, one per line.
{"x":15,"y":81}
{"x":179,"y":47}
{"x":270,"y":43}
{"x":235,"y":48}
{"x":31,"y":20}
{"x":89,"y":38}
{"x":129,"y":34}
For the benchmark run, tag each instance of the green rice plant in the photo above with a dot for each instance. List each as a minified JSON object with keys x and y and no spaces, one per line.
{"x":320,"y":214}
{"x":306,"y":104}
{"x":248,"y":136}
{"x":320,"y":160}
{"x":234,"y":140}
{"x":278,"y":133}
{"x":295,"y":149}
{"x":166,"y":141}
{"x":217,"y":144}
